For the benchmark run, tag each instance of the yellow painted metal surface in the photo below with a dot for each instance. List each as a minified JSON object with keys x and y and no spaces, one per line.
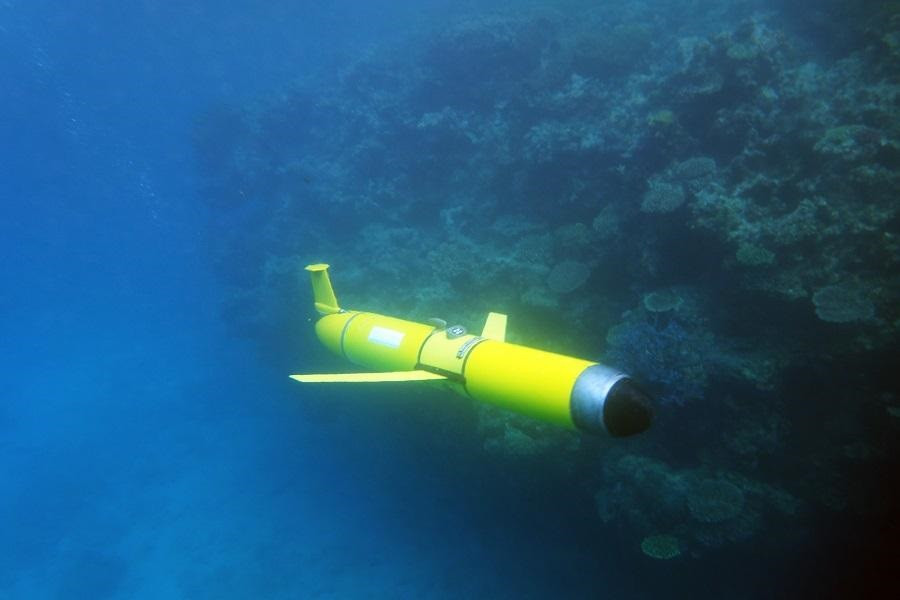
{"x":384,"y":343}
{"x":495,"y":327}
{"x":329,"y":328}
{"x":525,"y":380}
{"x":367,"y":377}
{"x":441,"y":352}
{"x":323,"y":293}
{"x":517,"y":378}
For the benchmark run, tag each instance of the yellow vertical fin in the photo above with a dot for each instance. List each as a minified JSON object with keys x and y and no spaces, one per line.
{"x":323,"y":294}
{"x":495,"y":327}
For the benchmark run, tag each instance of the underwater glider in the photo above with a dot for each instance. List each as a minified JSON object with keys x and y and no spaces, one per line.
{"x":567,"y":391}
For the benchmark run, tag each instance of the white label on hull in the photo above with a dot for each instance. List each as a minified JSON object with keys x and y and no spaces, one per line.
{"x":386,"y":337}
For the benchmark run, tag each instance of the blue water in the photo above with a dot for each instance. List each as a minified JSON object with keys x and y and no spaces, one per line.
{"x":146,"y":453}
{"x":151,"y":445}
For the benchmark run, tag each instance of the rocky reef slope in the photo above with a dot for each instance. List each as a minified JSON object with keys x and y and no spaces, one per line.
{"x":708,"y":201}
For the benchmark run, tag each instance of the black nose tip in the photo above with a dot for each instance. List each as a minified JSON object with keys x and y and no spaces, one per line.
{"x":627,"y":410}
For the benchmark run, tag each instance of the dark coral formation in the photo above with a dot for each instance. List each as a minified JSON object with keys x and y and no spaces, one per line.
{"x":709,"y":202}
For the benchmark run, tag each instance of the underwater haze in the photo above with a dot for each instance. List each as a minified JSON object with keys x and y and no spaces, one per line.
{"x":701,"y":193}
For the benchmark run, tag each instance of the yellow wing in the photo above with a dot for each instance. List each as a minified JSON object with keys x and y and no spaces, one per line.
{"x":367,"y":377}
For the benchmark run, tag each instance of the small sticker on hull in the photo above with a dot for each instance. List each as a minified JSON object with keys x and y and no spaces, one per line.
{"x":386,"y":337}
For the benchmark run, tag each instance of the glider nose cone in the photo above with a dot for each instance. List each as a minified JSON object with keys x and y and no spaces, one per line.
{"x":605,"y":400}
{"x":627,"y":410}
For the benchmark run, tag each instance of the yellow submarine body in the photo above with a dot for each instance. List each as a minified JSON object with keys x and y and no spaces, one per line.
{"x":559,"y":389}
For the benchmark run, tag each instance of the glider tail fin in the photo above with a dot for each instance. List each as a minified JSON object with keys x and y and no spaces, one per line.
{"x":323,"y":294}
{"x":495,"y":327}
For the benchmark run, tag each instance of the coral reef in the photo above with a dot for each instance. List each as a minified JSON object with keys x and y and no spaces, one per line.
{"x":716,"y":500}
{"x":568,"y":276}
{"x":703,"y":511}
{"x":662,"y":197}
{"x":660,"y":546}
{"x":842,"y":303}
{"x":707,"y":202}
{"x":662,"y":301}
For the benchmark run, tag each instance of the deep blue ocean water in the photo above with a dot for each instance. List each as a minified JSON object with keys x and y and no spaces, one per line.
{"x":149,"y":451}
{"x":145,"y":452}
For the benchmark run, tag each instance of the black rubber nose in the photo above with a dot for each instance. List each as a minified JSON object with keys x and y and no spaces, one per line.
{"x":627,"y":410}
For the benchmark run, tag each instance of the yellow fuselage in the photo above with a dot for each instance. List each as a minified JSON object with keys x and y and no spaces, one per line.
{"x":551,"y":387}
{"x":518,"y":378}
